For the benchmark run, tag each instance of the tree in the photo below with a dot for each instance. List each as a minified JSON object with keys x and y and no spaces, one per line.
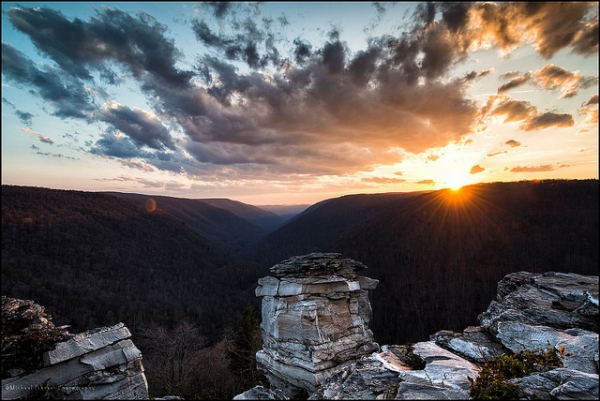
{"x":174,"y":357}
{"x":242,"y":349}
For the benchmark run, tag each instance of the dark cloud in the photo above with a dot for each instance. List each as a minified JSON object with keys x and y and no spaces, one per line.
{"x":251,"y":43}
{"x":586,"y":40}
{"x":68,"y":96}
{"x":514,"y":110}
{"x":455,"y":14}
{"x":592,"y":100}
{"x":554,"y":77}
{"x":139,"y":125}
{"x":474,"y":75}
{"x":514,"y":83}
{"x":116,"y":145}
{"x":220,"y":8}
{"x":509,"y":74}
{"x":547,"y":120}
{"x":137,"y":43}
{"x":302,"y":50}
{"x":24,"y":117}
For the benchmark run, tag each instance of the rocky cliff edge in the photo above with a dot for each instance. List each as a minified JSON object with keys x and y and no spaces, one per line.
{"x":532,"y":312}
{"x":41,"y":361}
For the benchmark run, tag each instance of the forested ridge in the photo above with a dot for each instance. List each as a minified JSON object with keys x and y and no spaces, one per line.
{"x":94,"y":259}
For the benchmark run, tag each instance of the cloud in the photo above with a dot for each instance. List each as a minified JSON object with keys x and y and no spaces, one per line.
{"x":476,"y":169}
{"x":515,"y":110}
{"x":140,"y":126}
{"x":425,"y":182}
{"x":553,"y":77}
{"x":534,"y":169}
{"x":66,"y":94}
{"x":512,"y":143}
{"x":383,"y":180}
{"x":24,"y":117}
{"x":547,"y":120}
{"x":592,"y":100}
{"x":586,"y":39}
{"x":41,"y":137}
{"x":135,"y":42}
{"x":550,"y":26}
{"x":136,"y":165}
{"x":514,"y":83}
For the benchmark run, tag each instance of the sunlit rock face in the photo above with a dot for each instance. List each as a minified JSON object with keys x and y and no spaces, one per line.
{"x":43,"y":361}
{"x":315,"y":320}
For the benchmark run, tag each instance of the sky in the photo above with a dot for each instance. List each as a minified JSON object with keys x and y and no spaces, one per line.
{"x":296,"y":102}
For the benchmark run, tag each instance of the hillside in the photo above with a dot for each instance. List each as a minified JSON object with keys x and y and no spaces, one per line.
{"x":255,"y":215}
{"x":439,"y":255}
{"x":95,"y":259}
{"x":233,"y":225}
{"x":322,"y":223}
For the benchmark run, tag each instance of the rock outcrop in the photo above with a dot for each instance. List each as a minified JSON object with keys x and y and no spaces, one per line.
{"x":315,"y":320}
{"x":40,"y":360}
{"x":531,"y":312}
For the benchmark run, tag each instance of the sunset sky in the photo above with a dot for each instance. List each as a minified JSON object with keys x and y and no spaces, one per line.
{"x":292,"y":102}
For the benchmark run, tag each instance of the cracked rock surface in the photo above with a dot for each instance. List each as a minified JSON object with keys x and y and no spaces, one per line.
{"x":531,"y":312}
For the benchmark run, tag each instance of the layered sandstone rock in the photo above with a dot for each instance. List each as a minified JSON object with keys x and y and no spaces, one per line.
{"x":43,"y":361}
{"x":315,"y":320}
{"x":531,"y":311}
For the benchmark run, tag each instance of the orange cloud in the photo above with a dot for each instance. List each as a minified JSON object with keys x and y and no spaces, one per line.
{"x":476,"y":169}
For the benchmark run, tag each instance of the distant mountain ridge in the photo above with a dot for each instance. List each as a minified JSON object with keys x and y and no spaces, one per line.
{"x":231,"y":224}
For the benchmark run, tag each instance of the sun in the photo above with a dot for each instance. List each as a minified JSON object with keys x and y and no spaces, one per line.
{"x":455,"y":182}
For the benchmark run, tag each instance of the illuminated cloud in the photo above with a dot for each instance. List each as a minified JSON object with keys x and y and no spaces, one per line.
{"x":383,"y":180}
{"x":514,"y":83}
{"x":512,"y":143}
{"x":516,"y":110}
{"x":553,"y":77}
{"x":41,"y":137}
{"x":593,"y":100}
{"x":476,"y":169}
{"x":136,"y":165}
{"x":534,"y":169}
